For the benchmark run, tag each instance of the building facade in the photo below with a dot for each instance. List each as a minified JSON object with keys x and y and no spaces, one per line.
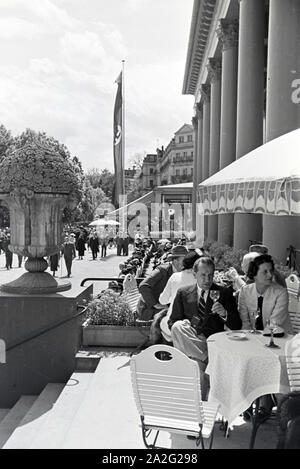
{"x":172,"y":165}
{"x":242,"y":66}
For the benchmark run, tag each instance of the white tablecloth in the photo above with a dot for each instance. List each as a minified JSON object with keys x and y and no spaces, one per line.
{"x":242,"y":370}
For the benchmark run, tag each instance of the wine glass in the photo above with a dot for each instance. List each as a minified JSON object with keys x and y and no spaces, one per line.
{"x":254,"y":330}
{"x":271,"y":325}
{"x":215,"y":295}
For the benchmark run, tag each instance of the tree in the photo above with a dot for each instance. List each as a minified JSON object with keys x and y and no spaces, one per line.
{"x":6,"y":140}
{"x":136,"y":161}
{"x":92,"y":198}
{"x":103,"y":179}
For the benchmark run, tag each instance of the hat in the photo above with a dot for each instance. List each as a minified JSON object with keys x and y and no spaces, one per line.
{"x":259,"y":248}
{"x":178,"y":251}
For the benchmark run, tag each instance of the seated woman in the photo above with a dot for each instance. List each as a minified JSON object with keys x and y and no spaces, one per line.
{"x":181,"y":279}
{"x":263,"y":298}
{"x":261,"y":301}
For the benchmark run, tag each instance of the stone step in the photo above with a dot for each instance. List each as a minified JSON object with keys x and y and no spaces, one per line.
{"x":108,"y":410}
{"x":87,"y":361}
{"x":30,"y":425}
{"x":3,"y":413}
{"x":53,"y":429}
{"x":87,"y":358}
{"x":14,"y":417}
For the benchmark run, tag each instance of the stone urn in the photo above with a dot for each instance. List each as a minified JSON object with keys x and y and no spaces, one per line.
{"x":37,"y":181}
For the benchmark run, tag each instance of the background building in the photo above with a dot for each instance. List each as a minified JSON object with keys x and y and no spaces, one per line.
{"x":173,"y":165}
{"x":242,"y":64}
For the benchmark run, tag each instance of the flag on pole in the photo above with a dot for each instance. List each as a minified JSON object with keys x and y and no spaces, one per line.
{"x":118,"y":143}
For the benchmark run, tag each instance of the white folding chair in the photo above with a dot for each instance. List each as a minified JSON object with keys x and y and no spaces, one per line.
{"x":293,"y":288}
{"x":131,"y":291}
{"x":167,"y":392}
{"x":292,"y":356}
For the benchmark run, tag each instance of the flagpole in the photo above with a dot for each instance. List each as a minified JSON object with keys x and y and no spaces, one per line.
{"x":123,"y":147}
{"x":123,"y":129}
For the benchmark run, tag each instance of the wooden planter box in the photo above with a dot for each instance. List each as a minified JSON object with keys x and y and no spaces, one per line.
{"x":114,"y":336}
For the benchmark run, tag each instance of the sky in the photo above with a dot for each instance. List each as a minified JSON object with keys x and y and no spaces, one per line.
{"x":60,"y":59}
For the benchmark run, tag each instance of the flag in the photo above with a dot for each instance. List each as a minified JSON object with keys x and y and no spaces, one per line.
{"x":118,"y":143}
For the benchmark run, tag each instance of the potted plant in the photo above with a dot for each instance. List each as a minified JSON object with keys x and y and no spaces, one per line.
{"x":110,"y":322}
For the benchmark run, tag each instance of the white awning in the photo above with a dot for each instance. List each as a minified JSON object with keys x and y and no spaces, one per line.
{"x":266,"y":181}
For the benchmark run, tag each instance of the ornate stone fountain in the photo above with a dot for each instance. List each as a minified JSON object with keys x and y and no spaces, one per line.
{"x":37,"y":181}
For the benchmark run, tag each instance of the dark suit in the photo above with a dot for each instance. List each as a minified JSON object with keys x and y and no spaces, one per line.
{"x":185,"y":306}
{"x":151,"y":288}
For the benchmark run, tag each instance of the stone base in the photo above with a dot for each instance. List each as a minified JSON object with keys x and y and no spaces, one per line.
{"x":37,"y":350}
{"x":36,"y":283}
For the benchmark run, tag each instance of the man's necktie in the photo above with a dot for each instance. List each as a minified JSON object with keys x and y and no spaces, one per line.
{"x":259,"y":322}
{"x":201,"y":305}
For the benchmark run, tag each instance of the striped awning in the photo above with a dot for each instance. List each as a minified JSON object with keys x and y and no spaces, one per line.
{"x":265,"y":181}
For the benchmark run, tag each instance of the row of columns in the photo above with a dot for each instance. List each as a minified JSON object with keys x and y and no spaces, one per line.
{"x":229,"y":120}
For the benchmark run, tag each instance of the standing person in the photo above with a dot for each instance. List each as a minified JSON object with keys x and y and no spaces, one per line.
{"x":80,"y":246}
{"x":20,"y":258}
{"x":103,"y":241}
{"x":54,"y":261}
{"x":94,"y":245}
{"x":68,"y":251}
{"x":8,"y":253}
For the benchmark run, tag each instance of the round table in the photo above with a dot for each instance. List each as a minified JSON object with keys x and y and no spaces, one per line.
{"x":242,"y":370}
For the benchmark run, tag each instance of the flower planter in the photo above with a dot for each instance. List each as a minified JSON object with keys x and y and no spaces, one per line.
{"x":114,"y":336}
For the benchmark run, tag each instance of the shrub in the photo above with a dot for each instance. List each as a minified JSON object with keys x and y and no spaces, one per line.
{"x":224,"y":255}
{"x":110,"y":308}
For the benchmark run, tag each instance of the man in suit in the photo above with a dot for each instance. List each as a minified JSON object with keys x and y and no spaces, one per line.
{"x":153,"y":285}
{"x":195,"y":316}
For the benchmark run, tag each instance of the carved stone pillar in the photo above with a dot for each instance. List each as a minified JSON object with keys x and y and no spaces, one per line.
{"x":250,"y":104}
{"x":214,"y":74}
{"x":195,"y":168}
{"x":283,"y":109}
{"x":205,"y":92}
{"x":228,"y":35}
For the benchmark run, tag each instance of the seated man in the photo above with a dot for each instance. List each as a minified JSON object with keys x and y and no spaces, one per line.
{"x":153,"y":285}
{"x":195,"y":316}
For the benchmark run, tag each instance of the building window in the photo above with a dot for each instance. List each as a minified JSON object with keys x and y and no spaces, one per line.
{"x":151,"y":170}
{"x":177,"y":154}
{"x":190,"y":138}
{"x":192,"y":153}
{"x":151,"y":183}
{"x":181,"y":139}
{"x":185,"y":172}
{"x":185,"y":153}
{"x":191,"y":171}
{"x":177,"y":172}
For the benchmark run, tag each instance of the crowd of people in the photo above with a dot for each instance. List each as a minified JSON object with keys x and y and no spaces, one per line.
{"x":187,"y":306}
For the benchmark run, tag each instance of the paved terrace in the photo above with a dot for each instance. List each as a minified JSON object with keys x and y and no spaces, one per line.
{"x":103,"y":404}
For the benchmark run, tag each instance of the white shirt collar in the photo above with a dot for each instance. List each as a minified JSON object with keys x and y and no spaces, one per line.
{"x":199,"y":291}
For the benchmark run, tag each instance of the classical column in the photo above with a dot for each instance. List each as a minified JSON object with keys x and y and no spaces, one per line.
{"x":200,"y":223}
{"x":205,"y":92}
{"x":283,"y":109}
{"x":195,"y":170}
{"x":250,"y":103}
{"x":214,"y":74}
{"x":200,"y":142}
{"x":228,"y":35}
